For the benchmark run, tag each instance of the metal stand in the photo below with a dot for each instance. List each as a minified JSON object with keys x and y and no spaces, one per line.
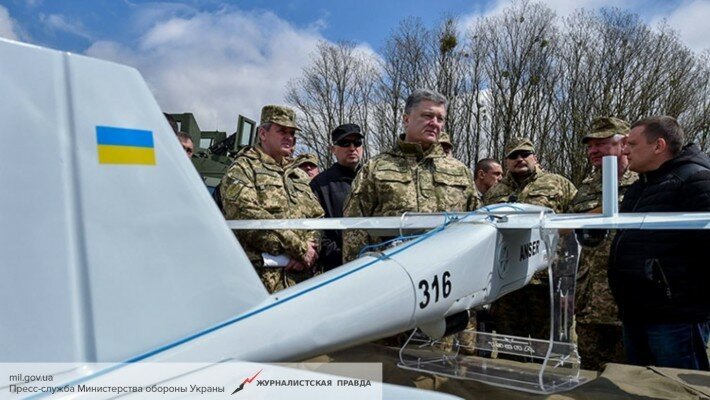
{"x":551,"y":365}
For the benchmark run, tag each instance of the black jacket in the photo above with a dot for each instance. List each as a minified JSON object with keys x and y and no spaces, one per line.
{"x":663,"y":276}
{"x":332,"y":187}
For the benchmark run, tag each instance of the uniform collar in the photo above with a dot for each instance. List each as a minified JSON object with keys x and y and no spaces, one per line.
{"x":414,"y":149}
{"x":267,"y":159}
{"x":627,"y":176}
{"x":513,"y":182}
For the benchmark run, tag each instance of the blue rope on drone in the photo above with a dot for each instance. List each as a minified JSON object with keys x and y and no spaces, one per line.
{"x":448,"y":219}
{"x":494,"y":207}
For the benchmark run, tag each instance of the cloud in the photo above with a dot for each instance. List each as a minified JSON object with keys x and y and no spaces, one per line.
{"x":61,"y":23}
{"x":217,"y":65}
{"x":564,"y":8}
{"x":8,"y":26}
{"x":690,"y":19}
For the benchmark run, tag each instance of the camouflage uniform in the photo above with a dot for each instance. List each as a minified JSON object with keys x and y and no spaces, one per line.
{"x":598,"y":327}
{"x":258,"y":187}
{"x":404,"y":179}
{"x":526,"y":312}
{"x":444,"y":138}
{"x":541,"y":188}
{"x":305,"y":158}
{"x":479,"y":195}
{"x":597,"y":323}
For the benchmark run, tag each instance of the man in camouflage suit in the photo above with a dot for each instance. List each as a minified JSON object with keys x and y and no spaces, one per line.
{"x":526,"y":182}
{"x":597,"y":324}
{"x":263,"y":183}
{"x":308,"y":162}
{"x":526,"y":312}
{"x":415,"y":175}
{"x":446,"y":145}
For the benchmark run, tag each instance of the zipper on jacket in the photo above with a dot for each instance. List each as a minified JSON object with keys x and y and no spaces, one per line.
{"x":669,"y":295}
{"x":620,"y":233}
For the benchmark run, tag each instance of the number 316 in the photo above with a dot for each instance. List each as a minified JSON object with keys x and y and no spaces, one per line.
{"x":434,"y":287}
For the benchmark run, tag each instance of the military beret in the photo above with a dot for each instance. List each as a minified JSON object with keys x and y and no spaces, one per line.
{"x":281,"y":115}
{"x":604,"y":127}
{"x":518,"y":143}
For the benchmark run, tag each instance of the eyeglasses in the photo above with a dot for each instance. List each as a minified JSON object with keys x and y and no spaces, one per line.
{"x":347,"y":143}
{"x":515,"y":155}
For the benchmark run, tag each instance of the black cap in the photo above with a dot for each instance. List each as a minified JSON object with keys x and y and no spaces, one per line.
{"x":345,"y":130}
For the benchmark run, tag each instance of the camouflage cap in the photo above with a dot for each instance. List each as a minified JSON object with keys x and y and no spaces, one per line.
{"x":281,"y":115}
{"x":306,"y":158}
{"x":444,"y":138}
{"x":518,"y":143}
{"x":604,"y":127}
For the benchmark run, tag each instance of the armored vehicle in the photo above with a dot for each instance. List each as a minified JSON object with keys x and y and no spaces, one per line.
{"x":214,"y":150}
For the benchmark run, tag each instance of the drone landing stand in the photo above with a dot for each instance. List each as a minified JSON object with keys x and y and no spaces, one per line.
{"x":527,"y":364}
{"x":521,"y":363}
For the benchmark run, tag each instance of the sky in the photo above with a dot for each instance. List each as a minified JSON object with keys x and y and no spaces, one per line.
{"x":219,"y":59}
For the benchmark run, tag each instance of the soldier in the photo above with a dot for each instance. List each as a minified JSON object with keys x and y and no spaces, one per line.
{"x":526,"y":312}
{"x":308,"y":162}
{"x":262,"y":183}
{"x":445,"y":141}
{"x":597,"y":324}
{"x":526,"y":182}
{"x":415,"y":175}
{"x":186,"y":143}
{"x":487,"y":173}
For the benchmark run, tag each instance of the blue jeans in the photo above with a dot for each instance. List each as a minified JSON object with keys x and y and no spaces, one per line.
{"x":667,"y":345}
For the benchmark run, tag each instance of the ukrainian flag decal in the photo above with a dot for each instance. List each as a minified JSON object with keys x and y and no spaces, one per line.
{"x":125,"y":146}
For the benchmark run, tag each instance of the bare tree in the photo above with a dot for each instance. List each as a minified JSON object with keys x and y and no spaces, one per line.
{"x":336,"y":88}
{"x":612,"y":64}
{"x":472,"y":140}
{"x":696,"y":118}
{"x":519,"y":61}
{"x":521,"y":72}
{"x":453,"y":81}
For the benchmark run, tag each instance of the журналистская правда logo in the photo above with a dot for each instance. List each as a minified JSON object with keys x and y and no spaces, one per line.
{"x":247,"y":380}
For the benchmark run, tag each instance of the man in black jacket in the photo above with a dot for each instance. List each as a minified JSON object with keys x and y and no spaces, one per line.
{"x":332,"y":187}
{"x":659,"y":278}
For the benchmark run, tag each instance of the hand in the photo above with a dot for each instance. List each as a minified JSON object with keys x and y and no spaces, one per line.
{"x":311,"y":255}
{"x":591,"y":237}
{"x":295,"y":265}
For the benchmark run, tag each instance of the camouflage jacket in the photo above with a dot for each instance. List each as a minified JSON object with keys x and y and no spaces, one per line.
{"x":540,"y":188}
{"x":593,"y":300}
{"x":257,"y":187}
{"x":478,"y":194}
{"x":404,"y":179}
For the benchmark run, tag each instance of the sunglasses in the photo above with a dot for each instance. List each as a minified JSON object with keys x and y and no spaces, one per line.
{"x":515,"y":155}
{"x":347,"y":143}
